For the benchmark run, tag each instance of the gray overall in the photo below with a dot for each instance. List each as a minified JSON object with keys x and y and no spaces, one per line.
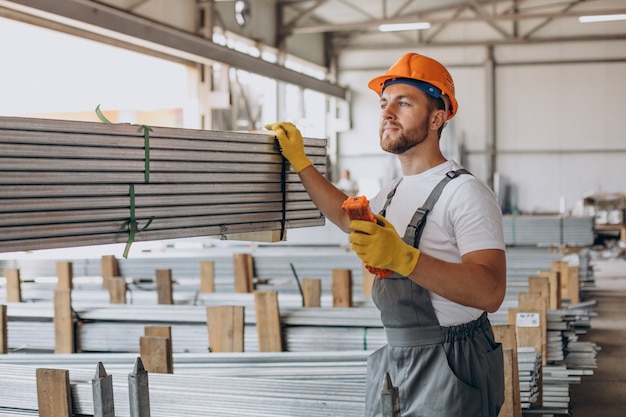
{"x":454,"y":371}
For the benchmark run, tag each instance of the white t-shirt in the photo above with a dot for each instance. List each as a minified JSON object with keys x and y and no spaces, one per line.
{"x":466,"y":218}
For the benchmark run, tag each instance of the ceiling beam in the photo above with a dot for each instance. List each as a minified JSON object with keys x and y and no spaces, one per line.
{"x":490,"y":42}
{"x":372,"y":25}
{"x":113,"y":24}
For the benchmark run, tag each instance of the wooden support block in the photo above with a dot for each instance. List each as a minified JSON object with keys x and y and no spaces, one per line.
{"x":529,"y":334}
{"x":243,"y":269}
{"x":102,"y":389}
{"x":14,"y":285}
{"x":535,"y":302}
{"x":508,"y":409}
{"x":164,"y":286}
{"x":163,"y":331}
{"x":269,"y":236}
{"x":160,"y":331}
{"x":562,"y":268}
{"x":342,"y":287}
{"x":226,"y":328}
{"x":207,"y":276}
{"x":109,"y":268}
{"x":138,"y":391}
{"x":156,"y":355}
{"x":64,"y":334}
{"x":64,"y":275}
{"x":505,"y":334}
{"x":53,"y":393}
{"x":117,"y":290}
{"x":312,"y":292}
{"x":4,"y":330}
{"x":573,"y":285}
{"x":540,"y":285}
{"x":554,"y":278}
{"x":368,"y":281}
{"x":268,"y":321}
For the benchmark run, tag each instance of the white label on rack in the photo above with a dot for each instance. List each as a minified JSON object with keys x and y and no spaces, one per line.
{"x":527,"y":320}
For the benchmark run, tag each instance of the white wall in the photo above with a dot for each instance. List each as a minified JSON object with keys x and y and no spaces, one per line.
{"x":560,"y":125}
{"x":561,"y":130}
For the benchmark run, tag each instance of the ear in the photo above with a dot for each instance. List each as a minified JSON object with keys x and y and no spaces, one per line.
{"x":437,"y":119}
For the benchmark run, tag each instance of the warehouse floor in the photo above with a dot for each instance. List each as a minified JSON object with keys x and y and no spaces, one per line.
{"x":603,"y":394}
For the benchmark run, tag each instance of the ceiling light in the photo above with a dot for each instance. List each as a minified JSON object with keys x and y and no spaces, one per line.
{"x":601,"y":18}
{"x":397,"y":27}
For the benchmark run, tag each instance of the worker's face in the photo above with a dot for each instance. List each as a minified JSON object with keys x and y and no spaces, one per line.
{"x":404,"y":120}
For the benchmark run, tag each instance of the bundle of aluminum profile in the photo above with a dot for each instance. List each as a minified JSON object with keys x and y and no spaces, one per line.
{"x":175,"y":395}
{"x":304,"y":329}
{"x":118,"y":328}
{"x":272,"y":265}
{"x":321,"y":365}
{"x":529,"y":364}
{"x":547,"y":230}
{"x":556,"y":385}
{"x":68,"y":184}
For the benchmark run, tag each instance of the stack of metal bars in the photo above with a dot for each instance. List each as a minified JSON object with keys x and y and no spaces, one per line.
{"x":547,"y":230}
{"x":329,"y":365}
{"x":68,"y":184}
{"x":196,"y":394}
{"x":118,"y":328}
{"x":529,"y":364}
{"x":578,"y":231}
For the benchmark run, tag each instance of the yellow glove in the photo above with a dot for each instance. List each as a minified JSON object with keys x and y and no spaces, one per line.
{"x":291,"y":144}
{"x":379,"y":245}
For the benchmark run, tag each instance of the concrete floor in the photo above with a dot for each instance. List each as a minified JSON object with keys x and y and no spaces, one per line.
{"x":603,"y":394}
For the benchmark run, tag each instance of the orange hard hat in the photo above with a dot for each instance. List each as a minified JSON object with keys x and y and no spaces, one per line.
{"x":421,"y":72}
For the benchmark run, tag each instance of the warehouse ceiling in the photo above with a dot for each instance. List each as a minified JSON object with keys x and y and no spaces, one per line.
{"x":171,"y":28}
{"x":355,"y":24}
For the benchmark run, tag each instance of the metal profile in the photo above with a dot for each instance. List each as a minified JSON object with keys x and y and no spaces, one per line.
{"x":66,"y":183}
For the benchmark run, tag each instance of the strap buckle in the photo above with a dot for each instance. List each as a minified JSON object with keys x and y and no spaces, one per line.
{"x":452,"y":174}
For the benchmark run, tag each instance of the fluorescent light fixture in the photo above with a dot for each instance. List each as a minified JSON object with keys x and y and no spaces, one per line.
{"x":397,"y":27}
{"x":601,"y":18}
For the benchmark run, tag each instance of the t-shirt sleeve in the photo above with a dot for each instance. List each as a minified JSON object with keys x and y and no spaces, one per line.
{"x":476,"y":217}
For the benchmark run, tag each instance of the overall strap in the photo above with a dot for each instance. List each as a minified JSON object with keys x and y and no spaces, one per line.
{"x":390,"y":195}
{"x":414,"y":230}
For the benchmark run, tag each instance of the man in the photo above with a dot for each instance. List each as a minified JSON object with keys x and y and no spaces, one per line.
{"x":440,"y":350}
{"x":346,"y":183}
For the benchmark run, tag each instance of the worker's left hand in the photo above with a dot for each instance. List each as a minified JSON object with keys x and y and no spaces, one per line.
{"x":379,"y":245}
{"x":291,"y":144}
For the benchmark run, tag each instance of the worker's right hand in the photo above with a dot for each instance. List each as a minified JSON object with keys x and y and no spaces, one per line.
{"x":291,"y":144}
{"x":380,"y":246}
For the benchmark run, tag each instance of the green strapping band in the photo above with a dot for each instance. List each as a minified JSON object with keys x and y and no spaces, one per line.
{"x":364,"y":338}
{"x":146,"y":146}
{"x":133,"y":226}
{"x":146,"y":143}
{"x":101,"y":116}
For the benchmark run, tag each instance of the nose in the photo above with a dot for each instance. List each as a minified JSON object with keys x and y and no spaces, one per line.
{"x":387,"y":113}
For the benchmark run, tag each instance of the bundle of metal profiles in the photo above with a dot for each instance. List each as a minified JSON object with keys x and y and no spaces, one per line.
{"x":196,"y":394}
{"x":341,"y":328}
{"x":271,"y":264}
{"x":347,"y":366}
{"x":68,"y":184}
{"x":333,"y":330}
{"x":119,"y":328}
{"x":548,"y":230}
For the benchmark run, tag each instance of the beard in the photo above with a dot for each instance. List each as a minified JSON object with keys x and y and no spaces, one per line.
{"x":408,"y":139}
